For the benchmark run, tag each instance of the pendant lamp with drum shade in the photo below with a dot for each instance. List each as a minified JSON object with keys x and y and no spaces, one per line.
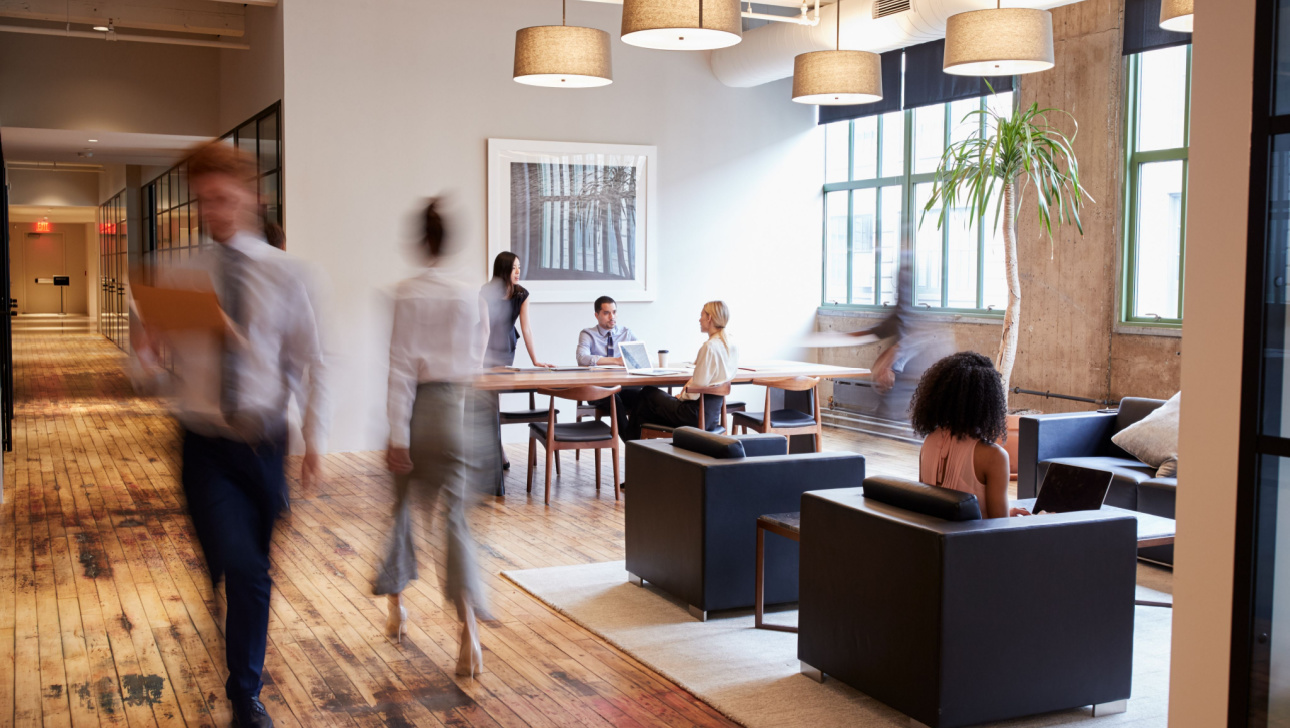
{"x":837,"y":77}
{"x":562,"y":56}
{"x":682,"y":25}
{"x":999,"y":42}
{"x":1176,"y":15}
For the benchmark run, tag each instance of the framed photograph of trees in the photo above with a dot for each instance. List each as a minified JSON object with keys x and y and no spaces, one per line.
{"x":579,"y":216}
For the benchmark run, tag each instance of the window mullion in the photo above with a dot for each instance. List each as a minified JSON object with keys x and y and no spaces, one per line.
{"x":945,"y":226}
{"x":980,"y":233}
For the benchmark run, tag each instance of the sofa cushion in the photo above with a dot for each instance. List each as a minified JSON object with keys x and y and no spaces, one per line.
{"x":1154,"y":438}
{"x":1133,"y":409}
{"x":707,"y":443}
{"x":1124,"y":485}
{"x":929,"y":500}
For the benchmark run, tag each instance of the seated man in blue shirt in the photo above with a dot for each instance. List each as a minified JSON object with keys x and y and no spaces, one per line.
{"x":599,"y":345}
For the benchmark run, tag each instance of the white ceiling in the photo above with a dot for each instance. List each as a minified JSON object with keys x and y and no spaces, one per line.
{"x":32,"y":213}
{"x":63,"y":145}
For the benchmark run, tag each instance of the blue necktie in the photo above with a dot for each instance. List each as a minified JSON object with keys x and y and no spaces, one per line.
{"x":609,"y":344}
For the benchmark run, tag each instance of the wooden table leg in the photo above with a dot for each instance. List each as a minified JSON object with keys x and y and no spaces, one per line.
{"x":759,"y":596}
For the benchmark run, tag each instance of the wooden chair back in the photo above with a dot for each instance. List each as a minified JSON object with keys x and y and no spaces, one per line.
{"x":588,"y":393}
{"x":791,"y":384}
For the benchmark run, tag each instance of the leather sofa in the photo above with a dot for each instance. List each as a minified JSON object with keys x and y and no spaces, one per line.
{"x":1084,"y":439}
{"x":692,"y":511}
{"x":959,"y":622}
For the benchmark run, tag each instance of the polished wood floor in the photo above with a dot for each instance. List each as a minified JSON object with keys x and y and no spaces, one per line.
{"x":107,"y":617}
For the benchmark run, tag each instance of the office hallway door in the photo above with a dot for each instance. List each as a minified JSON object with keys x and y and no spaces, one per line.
{"x":44,"y":256}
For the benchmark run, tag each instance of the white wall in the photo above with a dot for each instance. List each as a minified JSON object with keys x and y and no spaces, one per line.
{"x":53,"y":189}
{"x":389,"y":102}
{"x":81,"y":83}
{"x":1219,"y":181}
{"x":250,"y":81}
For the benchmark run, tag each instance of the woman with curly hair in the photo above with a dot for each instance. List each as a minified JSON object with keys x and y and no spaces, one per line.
{"x":961,"y":410}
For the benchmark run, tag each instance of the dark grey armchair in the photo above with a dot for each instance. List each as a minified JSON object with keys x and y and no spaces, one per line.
{"x":692,"y":513}
{"x":959,"y":622}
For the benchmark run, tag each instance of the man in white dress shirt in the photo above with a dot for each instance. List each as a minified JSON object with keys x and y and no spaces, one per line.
{"x":230,"y":395}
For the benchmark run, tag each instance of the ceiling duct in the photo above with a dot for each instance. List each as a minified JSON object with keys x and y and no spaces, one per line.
{"x":766,"y":53}
{"x":883,"y":8}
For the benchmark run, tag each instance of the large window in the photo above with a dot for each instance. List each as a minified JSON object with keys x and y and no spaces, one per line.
{"x":1155,"y":206}
{"x":879,"y":173}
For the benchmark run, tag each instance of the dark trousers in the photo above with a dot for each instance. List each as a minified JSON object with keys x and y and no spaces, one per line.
{"x":234,"y":493}
{"x":626,"y":401}
{"x":656,"y":407}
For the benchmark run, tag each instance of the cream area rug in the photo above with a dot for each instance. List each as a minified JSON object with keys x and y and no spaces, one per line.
{"x":752,"y":676}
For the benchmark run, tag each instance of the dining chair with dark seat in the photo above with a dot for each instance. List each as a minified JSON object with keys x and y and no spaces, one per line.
{"x":595,"y":435}
{"x":784,"y":421}
{"x":651,"y":431}
{"x":528,"y":416}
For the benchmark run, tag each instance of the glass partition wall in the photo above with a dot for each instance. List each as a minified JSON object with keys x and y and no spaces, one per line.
{"x":114,"y":313}
{"x":1260,"y":665}
{"x":172,"y":226}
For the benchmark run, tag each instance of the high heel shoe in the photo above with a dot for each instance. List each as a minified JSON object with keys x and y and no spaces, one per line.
{"x":470,"y":661}
{"x":396,"y":624}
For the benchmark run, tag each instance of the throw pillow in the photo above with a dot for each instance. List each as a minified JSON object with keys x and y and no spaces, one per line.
{"x":1154,"y":438}
{"x":1168,"y":469}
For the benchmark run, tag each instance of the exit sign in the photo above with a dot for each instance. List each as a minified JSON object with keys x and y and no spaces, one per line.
{"x":42,"y":226}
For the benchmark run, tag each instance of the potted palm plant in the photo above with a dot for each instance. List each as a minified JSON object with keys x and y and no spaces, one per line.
{"x":995,"y":165}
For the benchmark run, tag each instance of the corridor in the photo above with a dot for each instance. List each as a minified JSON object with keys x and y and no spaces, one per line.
{"x":108,"y":617}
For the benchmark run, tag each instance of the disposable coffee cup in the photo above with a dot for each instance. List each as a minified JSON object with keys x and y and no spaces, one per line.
{"x":662,"y":358}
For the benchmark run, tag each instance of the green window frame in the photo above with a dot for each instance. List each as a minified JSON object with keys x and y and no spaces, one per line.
{"x":1135,"y":161}
{"x":906,"y":186}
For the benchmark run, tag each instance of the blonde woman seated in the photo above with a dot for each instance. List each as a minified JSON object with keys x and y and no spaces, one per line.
{"x":713,"y":365}
{"x":960,"y":408}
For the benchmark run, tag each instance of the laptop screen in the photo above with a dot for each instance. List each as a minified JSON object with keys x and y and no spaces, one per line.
{"x":1069,"y":488}
{"x":635,"y":355}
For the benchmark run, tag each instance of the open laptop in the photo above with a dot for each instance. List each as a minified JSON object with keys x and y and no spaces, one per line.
{"x":636,"y":360}
{"x":1068,"y":488}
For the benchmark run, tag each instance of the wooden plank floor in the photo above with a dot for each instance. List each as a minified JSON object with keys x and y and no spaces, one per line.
{"x":107,"y":617}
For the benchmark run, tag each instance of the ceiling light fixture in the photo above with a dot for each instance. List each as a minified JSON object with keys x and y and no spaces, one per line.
{"x":102,"y":28}
{"x":999,"y":42}
{"x":562,"y":56}
{"x":93,"y":140}
{"x":1176,"y":15}
{"x":682,"y":25}
{"x":837,"y":77}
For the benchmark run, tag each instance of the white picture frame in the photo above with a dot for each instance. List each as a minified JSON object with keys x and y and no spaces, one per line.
{"x":591,"y":218}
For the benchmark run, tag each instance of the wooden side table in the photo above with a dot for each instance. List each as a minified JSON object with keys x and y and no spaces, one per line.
{"x":788,"y":525}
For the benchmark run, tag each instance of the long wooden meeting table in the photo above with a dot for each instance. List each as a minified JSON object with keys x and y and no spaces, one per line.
{"x":527,"y":380}
{"x":523,"y":380}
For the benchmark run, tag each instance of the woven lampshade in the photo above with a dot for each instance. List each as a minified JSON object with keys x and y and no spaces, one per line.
{"x":1176,"y":15}
{"x":682,"y":25}
{"x":837,"y":78}
{"x":999,"y":42}
{"x":562,"y":56}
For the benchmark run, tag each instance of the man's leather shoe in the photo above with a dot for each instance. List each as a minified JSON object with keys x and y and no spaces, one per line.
{"x":251,"y":714}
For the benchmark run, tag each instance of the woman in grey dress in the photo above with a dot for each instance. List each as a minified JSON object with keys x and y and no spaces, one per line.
{"x":435,"y":350}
